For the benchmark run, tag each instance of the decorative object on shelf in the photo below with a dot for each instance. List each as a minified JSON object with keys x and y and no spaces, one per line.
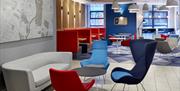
{"x":171,"y":3}
{"x":163,"y":8}
{"x":120,"y":20}
{"x":145,"y":7}
{"x":134,"y":8}
{"x":115,"y":5}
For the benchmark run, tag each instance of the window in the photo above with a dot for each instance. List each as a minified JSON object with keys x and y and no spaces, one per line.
{"x":96,"y":15}
{"x":155,"y":18}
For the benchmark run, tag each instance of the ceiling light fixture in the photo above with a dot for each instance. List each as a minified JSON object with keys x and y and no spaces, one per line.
{"x":115,"y":5}
{"x":163,"y":8}
{"x":171,"y":3}
{"x":145,"y":7}
{"x":134,"y":8}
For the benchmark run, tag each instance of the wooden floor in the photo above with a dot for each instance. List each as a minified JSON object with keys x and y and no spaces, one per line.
{"x":158,"y":78}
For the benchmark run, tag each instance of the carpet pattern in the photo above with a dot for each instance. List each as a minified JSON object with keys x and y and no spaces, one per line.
{"x":122,"y":54}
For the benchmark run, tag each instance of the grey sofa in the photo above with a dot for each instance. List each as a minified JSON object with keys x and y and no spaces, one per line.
{"x":32,"y":73}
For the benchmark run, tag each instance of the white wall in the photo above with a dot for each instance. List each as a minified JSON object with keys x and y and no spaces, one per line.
{"x":14,"y":50}
{"x":171,"y":18}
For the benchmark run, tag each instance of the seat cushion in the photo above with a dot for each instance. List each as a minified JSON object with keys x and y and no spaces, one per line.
{"x":119,"y":74}
{"x":41,"y":75}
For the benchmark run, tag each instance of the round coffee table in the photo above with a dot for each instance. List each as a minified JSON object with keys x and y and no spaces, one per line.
{"x":90,"y":72}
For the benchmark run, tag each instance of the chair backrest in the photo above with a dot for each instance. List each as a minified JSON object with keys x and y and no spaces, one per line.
{"x":65,"y":80}
{"x":99,"y":44}
{"x":143,"y":52}
{"x":163,"y":47}
{"x":164,"y":36}
{"x":99,"y":56}
{"x":67,"y":41}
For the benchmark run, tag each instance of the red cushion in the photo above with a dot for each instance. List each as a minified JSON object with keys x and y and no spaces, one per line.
{"x":102,"y":32}
{"x":95,"y":33}
{"x":85,"y":33}
{"x":126,"y":42}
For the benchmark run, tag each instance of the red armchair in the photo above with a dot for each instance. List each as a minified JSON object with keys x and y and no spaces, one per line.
{"x":68,"y":81}
{"x":164,"y":36}
{"x":126,"y":42}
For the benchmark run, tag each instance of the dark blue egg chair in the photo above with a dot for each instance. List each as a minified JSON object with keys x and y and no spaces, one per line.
{"x":143,"y":52}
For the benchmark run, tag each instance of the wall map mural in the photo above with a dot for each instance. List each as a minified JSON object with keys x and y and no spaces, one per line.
{"x":25,"y":19}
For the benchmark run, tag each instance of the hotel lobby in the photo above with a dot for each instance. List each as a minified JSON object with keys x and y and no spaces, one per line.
{"x":89,"y":45}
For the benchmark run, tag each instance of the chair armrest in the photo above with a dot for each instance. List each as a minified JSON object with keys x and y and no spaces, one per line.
{"x":61,"y":57}
{"x":19,"y":80}
{"x":84,"y":62}
{"x":106,"y":65}
{"x":66,"y":56}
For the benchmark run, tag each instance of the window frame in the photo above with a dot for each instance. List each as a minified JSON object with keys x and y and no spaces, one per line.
{"x":153,"y":18}
{"x":90,"y":18}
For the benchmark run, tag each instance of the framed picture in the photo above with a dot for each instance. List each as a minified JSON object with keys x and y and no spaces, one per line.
{"x":120,"y":20}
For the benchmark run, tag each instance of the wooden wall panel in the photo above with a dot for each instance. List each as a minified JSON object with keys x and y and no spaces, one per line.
{"x":71,"y":15}
{"x":83,"y":15}
{"x":80,"y":15}
{"x":58,"y":12}
{"x":65,"y":14}
{"x":77,"y":14}
{"x":74,"y":13}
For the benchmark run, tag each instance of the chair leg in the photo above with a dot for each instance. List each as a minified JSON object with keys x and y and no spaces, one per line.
{"x":124,"y":87}
{"x":113,"y":87}
{"x":84,"y":79}
{"x":104,"y":77}
{"x":143,"y":87}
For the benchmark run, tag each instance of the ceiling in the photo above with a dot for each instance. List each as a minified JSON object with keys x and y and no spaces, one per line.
{"x":153,"y":2}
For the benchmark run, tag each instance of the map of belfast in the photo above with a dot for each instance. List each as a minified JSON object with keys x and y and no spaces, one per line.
{"x":25,"y":19}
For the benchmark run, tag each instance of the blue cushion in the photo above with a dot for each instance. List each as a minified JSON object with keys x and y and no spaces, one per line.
{"x":119,"y":74}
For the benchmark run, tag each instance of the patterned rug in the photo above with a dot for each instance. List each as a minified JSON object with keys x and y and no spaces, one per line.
{"x":122,"y":54}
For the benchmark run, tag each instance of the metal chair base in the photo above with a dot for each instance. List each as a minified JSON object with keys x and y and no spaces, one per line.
{"x":125,"y":86}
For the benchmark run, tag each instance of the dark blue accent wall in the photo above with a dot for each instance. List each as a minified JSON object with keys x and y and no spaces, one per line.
{"x":112,"y":28}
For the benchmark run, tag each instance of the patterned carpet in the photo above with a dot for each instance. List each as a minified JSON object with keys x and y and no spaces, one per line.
{"x":122,"y":54}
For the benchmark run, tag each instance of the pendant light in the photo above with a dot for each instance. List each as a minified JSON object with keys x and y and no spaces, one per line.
{"x":145,"y":7}
{"x":163,"y":8}
{"x":115,"y":5}
{"x":133,"y":8}
{"x":171,"y":3}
